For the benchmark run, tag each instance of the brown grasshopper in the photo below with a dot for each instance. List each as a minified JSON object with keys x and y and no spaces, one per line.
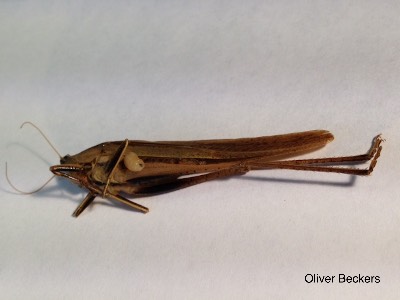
{"x":142,"y":168}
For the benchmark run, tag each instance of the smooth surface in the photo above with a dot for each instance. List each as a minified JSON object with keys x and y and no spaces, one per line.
{"x":170,"y":70}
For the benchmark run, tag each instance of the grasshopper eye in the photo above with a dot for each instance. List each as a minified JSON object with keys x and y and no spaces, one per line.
{"x":133,"y":162}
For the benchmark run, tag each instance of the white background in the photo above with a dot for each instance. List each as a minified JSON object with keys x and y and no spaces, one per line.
{"x":176,"y":70}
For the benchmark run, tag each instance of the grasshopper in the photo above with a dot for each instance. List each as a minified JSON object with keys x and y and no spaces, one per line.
{"x":143,"y":168}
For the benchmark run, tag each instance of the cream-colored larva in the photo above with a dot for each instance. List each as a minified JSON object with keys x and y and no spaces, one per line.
{"x":133,"y":162}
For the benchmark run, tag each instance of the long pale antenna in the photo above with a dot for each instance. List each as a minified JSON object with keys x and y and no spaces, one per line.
{"x":51,"y":145}
{"x":23,"y":192}
{"x":45,"y":137}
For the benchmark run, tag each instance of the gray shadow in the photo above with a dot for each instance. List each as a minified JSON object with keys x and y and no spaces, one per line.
{"x":347,"y":183}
